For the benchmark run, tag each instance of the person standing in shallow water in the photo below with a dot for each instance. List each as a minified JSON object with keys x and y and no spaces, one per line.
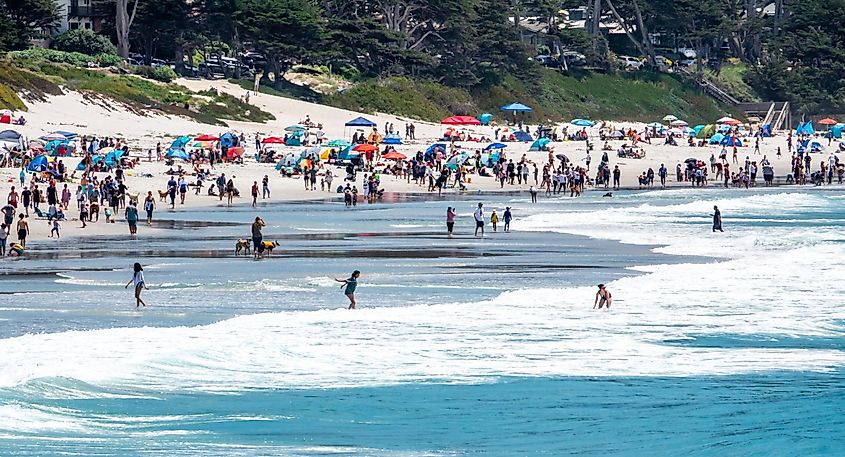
{"x":349,"y":286}
{"x":138,"y":280}
{"x":603,"y":297}
{"x":717,"y":219}
{"x":450,"y":219}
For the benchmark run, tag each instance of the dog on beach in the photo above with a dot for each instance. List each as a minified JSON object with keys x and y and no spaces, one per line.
{"x":609,"y":194}
{"x":242,"y":245}
{"x":162,"y":195}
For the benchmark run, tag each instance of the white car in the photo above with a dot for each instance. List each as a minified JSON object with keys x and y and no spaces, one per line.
{"x":629,"y":63}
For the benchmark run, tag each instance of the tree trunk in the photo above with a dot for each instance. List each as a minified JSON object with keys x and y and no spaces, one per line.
{"x":123,"y":23}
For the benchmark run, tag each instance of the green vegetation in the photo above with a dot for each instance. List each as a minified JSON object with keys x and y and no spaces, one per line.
{"x":10,"y":100}
{"x":71,"y":58}
{"x":38,"y":78}
{"x":630,"y":96}
{"x":163,"y":74}
{"x":84,"y":41}
{"x":731,"y":79}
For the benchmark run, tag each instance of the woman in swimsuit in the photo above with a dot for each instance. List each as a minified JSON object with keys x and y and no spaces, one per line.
{"x":603,"y":297}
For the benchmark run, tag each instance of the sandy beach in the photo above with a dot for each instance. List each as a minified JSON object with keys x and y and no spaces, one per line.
{"x":74,"y":113}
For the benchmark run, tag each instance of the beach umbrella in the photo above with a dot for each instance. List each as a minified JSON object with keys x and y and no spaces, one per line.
{"x":485,"y":118}
{"x":669,"y":118}
{"x":827,"y":121}
{"x":679,"y":123}
{"x":207,"y":138}
{"x":495,"y":146}
{"x":562,"y":158}
{"x":105,"y":150}
{"x":295,"y":128}
{"x":365,"y":148}
{"x":393,"y":155}
{"x":273,"y":140}
{"x":582,"y":122}
{"x":655,"y":125}
{"x":517,"y":108}
{"x":732,"y":122}
{"x":393,"y":138}
{"x":724,"y":120}
{"x":55,"y":136}
{"x":338,"y":144}
{"x":460,"y":120}
{"x":177,"y":154}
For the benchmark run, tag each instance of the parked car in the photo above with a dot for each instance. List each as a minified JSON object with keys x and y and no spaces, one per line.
{"x":629,"y":63}
{"x":574,"y":59}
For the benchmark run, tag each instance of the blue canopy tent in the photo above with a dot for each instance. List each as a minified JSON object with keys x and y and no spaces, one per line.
{"x":38,"y":164}
{"x":766,"y":130}
{"x":430,"y":150}
{"x":716,"y":138}
{"x":539,"y":145}
{"x":393,"y":138}
{"x":522,"y":136}
{"x":53,"y":146}
{"x":812,"y":145}
{"x":837,"y":129}
{"x":582,"y":122}
{"x":113,"y":157}
{"x":229,"y":140}
{"x":295,"y":139}
{"x":731,"y":141}
{"x":485,"y":118}
{"x":177,"y":154}
{"x":698,"y":128}
{"x":492,"y":146}
{"x":94,"y":160}
{"x":456,"y":161}
{"x":360,"y":122}
{"x":805,"y":128}
{"x":347,"y":154}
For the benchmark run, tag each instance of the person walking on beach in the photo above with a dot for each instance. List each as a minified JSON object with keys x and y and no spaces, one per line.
{"x":603,"y":297}
{"x":717,"y":219}
{"x":56,"y":227}
{"x":221,"y":185}
{"x":23,"y":230}
{"x":131,"y":215}
{"x":450,"y":219}
{"x":479,"y":219}
{"x":533,"y":191}
{"x":230,"y":191}
{"x":138,"y":281}
{"x":4,"y":235}
{"x":616,"y":175}
{"x":254,"y":193}
{"x":494,"y":220}
{"x":257,"y":237}
{"x":662,"y":173}
{"x":507,"y":217}
{"x":349,"y":286}
{"x":265,"y":187}
{"x":171,"y":191}
{"x":149,"y":206}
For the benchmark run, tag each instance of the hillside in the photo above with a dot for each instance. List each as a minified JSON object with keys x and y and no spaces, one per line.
{"x":626,"y":96}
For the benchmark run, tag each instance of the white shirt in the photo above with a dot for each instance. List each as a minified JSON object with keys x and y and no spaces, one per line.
{"x":479,"y":215}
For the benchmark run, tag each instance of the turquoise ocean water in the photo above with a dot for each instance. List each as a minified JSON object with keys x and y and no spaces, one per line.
{"x":718,"y":344}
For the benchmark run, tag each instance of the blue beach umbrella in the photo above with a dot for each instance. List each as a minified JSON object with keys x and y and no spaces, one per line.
{"x":517,"y":108}
{"x":495,"y":146}
{"x":582,"y":122}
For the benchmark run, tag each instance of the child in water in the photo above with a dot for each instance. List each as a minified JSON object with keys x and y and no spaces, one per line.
{"x":349,"y":286}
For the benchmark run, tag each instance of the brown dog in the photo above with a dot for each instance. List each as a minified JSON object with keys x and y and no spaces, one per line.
{"x":162,"y":195}
{"x":242,"y":245}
